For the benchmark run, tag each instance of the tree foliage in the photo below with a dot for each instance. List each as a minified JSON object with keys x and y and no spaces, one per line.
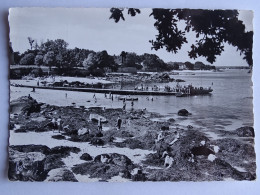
{"x":213,"y":29}
{"x":27,"y":59}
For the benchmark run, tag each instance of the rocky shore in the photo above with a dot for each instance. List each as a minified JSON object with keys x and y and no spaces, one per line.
{"x":136,"y":152}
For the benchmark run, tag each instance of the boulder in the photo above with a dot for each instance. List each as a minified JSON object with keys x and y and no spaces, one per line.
{"x":86,"y":157}
{"x":26,"y":166}
{"x":61,"y":174}
{"x":164,"y":128}
{"x":245,"y":131}
{"x":24,"y":104}
{"x":183,"y":112}
{"x":83,"y":131}
{"x":106,"y":166}
{"x":201,"y":150}
{"x":171,"y":120}
{"x":96,"y":117}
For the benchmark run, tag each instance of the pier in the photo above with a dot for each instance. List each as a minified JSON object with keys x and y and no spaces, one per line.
{"x":120,"y":91}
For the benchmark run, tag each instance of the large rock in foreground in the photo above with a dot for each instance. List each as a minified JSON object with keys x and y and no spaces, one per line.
{"x":24,"y":104}
{"x":26,"y":166}
{"x":106,"y":166}
{"x":61,"y":174}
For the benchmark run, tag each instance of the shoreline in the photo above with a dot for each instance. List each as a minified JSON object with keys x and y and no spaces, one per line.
{"x":140,"y":134}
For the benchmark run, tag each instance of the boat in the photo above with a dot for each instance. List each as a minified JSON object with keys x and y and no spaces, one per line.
{"x":179,"y":94}
{"x":127,"y":98}
{"x":200,"y":90}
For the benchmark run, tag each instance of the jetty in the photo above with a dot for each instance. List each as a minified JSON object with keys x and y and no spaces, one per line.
{"x":194,"y":91}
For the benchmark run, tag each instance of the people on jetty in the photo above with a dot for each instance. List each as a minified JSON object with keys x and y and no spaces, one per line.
{"x":119,"y":123}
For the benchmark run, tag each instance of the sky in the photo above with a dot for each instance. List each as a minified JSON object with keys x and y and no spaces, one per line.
{"x":90,"y":28}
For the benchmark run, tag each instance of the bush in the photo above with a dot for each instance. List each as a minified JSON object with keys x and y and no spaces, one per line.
{"x":27,"y":59}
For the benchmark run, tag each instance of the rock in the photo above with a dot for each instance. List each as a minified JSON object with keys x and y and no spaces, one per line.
{"x":86,"y":157}
{"x":171,"y":120}
{"x":164,"y":128}
{"x":31,"y":148}
{"x":211,"y":157}
{"x":114,"y":158}
{"x":183,"y":112}
{"x":245,"y":131}
{"x":58,"y":137}
{"x":26,"y":166}
{"x":201,"y":150}
{"x":99,"y":134}
{"x":24,"y":105}
{"x":139,"y":176}
{"x":61,"y":174}
{"x":106,"y":166}
{"x":96,"y":117}
{"x":97,"y":141}
{"x":179,"y":80}
{"x":83,"y":131}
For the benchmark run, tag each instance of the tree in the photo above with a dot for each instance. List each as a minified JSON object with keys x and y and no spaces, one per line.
{"x":123,"y":56}
{"x":49,"y":59}
{"x":153,"y":62}
{"x":189,"y":65}
{"x":38,"y":60}
{"x":27,"y":59}
{"x":213,"y":29}
{"x":31,"y":41}
{"x":89,"y":61}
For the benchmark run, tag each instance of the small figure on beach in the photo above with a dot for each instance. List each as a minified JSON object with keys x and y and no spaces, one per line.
{"x":38,"y":83}
{"x":112,"y":97}
{"x":147,"y":98}
{"x":29,"y":97}
{"x":59,"y":124}
{"x":33,"y":89}
{"x":132,"y":103}
{"x":54,"y":124}
{"x":99,"y":125}
{"x":94,"y":96}
{"x":105,"y":95}
{"x":66,"y":95}
{"x":124,"y":106}
{"x":119,"y":123}
{"x":152,"y":99}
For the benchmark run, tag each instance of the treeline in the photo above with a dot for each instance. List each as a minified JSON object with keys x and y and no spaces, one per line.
{"x":190,"y":66}
{"x":56,"y":54}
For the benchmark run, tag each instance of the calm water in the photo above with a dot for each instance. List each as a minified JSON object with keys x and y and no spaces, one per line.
{"x":228,"y":107}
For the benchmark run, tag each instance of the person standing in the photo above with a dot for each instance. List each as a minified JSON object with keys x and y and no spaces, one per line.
{"x":119,"y":123}
{"x":99,"y":125}
{"x":132,"y":103}
{"x":59,"y":124}
{"x":124,"y":106}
